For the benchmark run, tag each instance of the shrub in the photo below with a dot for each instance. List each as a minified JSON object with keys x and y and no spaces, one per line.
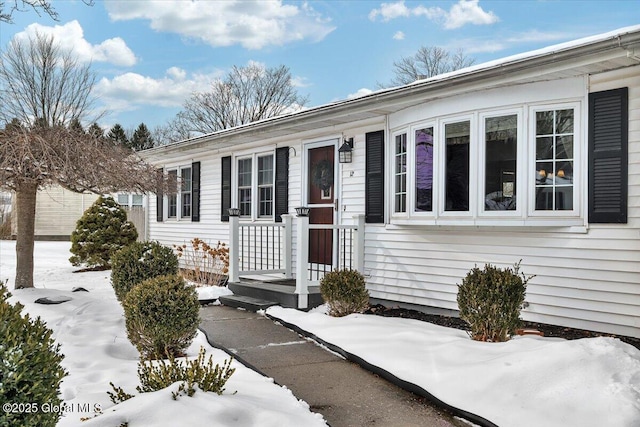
{"x":202,"y":263}
{"x":140,"y":261}
{"x":30,"y":371}
{"x":161,"y":374}
{"x":161,"y":316}
{"x":345,"y":292}
{"x":102,"y":230}
{"x":490,"y":301}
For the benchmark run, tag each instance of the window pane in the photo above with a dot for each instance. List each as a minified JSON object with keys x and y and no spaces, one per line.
{"x":400,"y":173}
{"x":123,"y":199}
{"x":457,"y":138}
{"x":265,"y":186}
{"x":244,"y":172}
{"x":185,"y":179}
{"x":244,"y":201}
{"x":186,"y":205}
{"x":501,"y":143}
{"x":424,"y":169}
{"x":244,"y":186}
{"x":554,"y":175}
{"x":136,"y":200}
{"x":265,"y":170}
{"x":172,"y":200}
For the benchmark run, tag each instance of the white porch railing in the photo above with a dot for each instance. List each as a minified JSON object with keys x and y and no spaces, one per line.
{"x":264,"y":248}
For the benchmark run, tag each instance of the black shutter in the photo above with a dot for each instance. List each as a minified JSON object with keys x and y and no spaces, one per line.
{"x":281,"y":198}
{"x":160,"y":197}
{"x":374,"y":172}
{"x":195,"y":191}
{"x":226,"y":189}
{"x":608,"y":156}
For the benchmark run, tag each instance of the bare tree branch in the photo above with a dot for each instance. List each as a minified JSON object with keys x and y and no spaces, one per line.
{"x":245,"y":95}
{"x":7,"y":8}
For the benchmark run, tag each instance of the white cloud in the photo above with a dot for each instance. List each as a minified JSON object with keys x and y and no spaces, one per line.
{"x":70,"y":36}
{"x":128,"y":91}
{"x":361,"y":92}
{"x":468,"y":12}
{"x":399,"y":35}
{"x":252,"y":24}
{"x":462,"y":13}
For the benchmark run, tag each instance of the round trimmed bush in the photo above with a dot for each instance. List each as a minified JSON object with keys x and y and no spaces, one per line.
{"x":30,"y":370}
{"x":490,"y":301}
{"x":162,"y":316}
{"x":344,"y":292}
{"x":140,"y":261}
{"x":102,"y":230}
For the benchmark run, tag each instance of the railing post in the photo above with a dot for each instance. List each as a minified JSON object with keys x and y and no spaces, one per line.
{"x":287,"y":220}
{"x":358,"y":244}
{"x":302,"y":261}
{"x":234,"y":248}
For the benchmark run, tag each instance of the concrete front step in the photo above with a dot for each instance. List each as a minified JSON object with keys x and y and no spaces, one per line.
{"x":243,"y":301}
{"x":276,"y":292}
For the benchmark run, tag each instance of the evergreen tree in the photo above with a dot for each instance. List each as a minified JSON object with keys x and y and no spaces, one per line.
{"x":101,"y":231}
{"x":142,"y":138}
{"x":118,"y":135}
{"x":76,"y":126}
{"x":95,"y":130}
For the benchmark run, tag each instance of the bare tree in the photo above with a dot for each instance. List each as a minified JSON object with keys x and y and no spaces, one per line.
{"x":7,"y":8}
{"x":427,"y":62}
{"x":38,"y":80}
{"x":245,"y":95}
{"x":44,"y":146}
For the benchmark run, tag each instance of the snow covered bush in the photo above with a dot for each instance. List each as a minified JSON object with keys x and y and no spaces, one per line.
{"x":344,"y":292}
{"x":490,"y":301}
{"x":140,"y":261}
{"x":30,"y":371}
{"x":161,"y":316}
{"x":202,"y":263}
{"x":102,"y":230}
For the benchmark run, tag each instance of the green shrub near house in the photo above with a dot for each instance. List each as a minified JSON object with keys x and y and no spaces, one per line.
{"x":490,"y":301}
{"x":140,"y":261}
{"x":344,"y":292}
{"x":102,"y":230}
{"x":162,"y":316}
{"x":30,"y":369}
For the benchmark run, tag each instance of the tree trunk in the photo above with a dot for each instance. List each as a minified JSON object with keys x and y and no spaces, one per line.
{"x":26,"y":218}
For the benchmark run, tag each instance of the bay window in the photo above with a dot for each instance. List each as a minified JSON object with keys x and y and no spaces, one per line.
{"x":488,"y":167}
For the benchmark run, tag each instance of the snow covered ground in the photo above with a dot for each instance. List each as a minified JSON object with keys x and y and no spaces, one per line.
{"x":529,"y":381}
{"x":90,"y":329}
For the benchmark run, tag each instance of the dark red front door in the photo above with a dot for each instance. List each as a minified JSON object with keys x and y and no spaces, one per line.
{"x":320,"y":197}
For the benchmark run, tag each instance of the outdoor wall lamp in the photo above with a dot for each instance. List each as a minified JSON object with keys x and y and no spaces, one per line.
{"x":345,"y":153}
{"x":302,"y":211}
{"x":234,"y":211}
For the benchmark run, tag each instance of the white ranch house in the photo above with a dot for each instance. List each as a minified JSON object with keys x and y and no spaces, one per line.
{"x":535,"y":157}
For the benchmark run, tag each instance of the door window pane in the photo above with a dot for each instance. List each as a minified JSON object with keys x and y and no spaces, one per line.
{"x":501,"y":141}
{"x":457,"y":139}
{"x":424,"y":169}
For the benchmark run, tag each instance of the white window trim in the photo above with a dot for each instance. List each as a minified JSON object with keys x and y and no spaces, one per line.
{"x":178,"y":217}
{"x":521,"y":165}
{"x":255,"y":208}
{"x":579,"y":181}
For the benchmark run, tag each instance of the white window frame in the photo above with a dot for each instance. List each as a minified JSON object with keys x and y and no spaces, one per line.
{"x":394,"y":174}
{"x":442,"y":170}
{"x":579,"y":182}
{"x":521,"y":166}
{"x":255,"y":187}
{"x":412,"y":173}
{"x":178,"y":196}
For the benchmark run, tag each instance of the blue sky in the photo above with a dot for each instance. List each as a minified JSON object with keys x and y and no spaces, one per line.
{"x":150,"y":55}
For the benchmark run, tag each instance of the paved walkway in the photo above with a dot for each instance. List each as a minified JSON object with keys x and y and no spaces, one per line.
{"x":343,"y":392}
